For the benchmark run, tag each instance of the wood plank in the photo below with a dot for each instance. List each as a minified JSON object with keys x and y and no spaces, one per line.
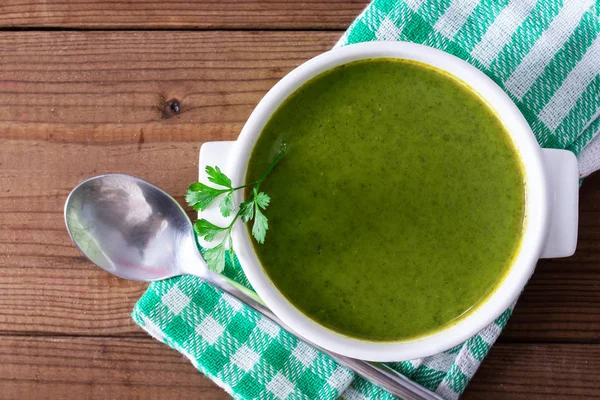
{"x":77,"y":104}
{"x":110,"y":87}
{"x":90,"y":103}
{"x":98,"y":368}
{"x":193,"y":14}
{"x":538,"y":372}
{"x":103,"y":368}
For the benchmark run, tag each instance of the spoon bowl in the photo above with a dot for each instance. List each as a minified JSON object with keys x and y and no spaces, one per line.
{"x":131,"y":228}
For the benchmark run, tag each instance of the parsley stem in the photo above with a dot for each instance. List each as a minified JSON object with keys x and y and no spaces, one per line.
{"x":264,"y":175}
{"x":256,"y":184}
{"x":273,"y":164}
{"x":246,"y":185}
{"x":234,"y":219}
{"x":237,"y":215}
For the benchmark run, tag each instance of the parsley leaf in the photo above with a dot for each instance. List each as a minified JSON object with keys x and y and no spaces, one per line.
{"x":217,"y":177}
{"x":226,"y":205}
{"x":200,"y":196}
{"x":247,"y":210}
{"x":262,"y":199}
{"x":207,"y":230}
{"x":215,"y":257}
{"x":259,"y":229}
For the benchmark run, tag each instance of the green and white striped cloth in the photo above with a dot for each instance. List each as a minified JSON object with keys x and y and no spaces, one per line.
{"x":544,"y":53}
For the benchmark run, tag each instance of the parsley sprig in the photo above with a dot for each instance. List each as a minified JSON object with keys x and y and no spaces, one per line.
{"x":200,"y":196}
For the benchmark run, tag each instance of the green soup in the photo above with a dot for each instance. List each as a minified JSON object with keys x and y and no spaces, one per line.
{"x":398,"y":205}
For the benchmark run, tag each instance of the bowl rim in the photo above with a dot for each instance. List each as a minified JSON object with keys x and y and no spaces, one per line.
{"x":536,"y":222}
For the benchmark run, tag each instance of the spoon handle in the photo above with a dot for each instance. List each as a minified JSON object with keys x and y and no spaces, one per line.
{"x":376,"y":373}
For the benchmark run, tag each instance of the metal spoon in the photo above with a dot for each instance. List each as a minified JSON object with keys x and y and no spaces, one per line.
{"x":136,"y":231}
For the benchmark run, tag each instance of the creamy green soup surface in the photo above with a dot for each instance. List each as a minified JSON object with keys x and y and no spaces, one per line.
{"x":398,"y":205}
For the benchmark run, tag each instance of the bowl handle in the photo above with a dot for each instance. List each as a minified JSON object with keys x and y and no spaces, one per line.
{"x":563,"y":187}
{"x":214,"y":153}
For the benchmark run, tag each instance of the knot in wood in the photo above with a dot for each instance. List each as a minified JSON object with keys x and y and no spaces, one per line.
{"x":171,"y":108}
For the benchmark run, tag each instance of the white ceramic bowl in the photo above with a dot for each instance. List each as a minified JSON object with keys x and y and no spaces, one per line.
{"x":551,"y":189}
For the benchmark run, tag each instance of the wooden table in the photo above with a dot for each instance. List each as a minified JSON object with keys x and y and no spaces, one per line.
{"x":87,"y":87}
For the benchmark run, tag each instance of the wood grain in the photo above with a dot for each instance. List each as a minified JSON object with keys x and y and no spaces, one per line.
{"x":193,"y":14}
{"x":77,"y":104}
{"x":98,"y":368}
{"x":74,"y":105}
{"x":110,"y":87}
{"x":142,"y":368}
{"x":538,"y":372}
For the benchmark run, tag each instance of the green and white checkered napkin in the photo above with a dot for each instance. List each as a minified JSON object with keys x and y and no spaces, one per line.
{"x":545,"y":54}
